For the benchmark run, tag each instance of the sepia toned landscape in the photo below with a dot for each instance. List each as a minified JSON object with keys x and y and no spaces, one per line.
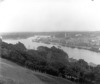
{"x":49,"y":41}
{"x":52,"y":57}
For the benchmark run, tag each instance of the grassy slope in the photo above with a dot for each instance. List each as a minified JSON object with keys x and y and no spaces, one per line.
{"x":10,"y":73}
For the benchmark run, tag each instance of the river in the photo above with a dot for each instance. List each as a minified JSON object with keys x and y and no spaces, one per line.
{"x":75,"y":53}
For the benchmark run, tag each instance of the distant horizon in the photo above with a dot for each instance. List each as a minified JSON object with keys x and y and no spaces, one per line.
{"x":44,"y":31}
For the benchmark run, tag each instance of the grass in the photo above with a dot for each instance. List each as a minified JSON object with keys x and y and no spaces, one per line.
{"x":4,"y":80}
{"x":53,"y":80}
{"x":11,"y":73}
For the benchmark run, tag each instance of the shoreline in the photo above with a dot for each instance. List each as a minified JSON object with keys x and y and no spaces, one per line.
{"x":93,"y":49}
{"x":78,"y":47}
{"x":96,"y":50}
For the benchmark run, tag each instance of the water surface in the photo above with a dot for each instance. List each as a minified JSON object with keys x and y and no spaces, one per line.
{"x":87,"y":55}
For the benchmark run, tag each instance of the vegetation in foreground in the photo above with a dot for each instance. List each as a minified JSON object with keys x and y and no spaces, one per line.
{"x":11,"y":73}
{"x":52,"y":61}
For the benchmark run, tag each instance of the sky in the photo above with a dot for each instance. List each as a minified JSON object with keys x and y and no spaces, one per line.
{"x":49,"y":15}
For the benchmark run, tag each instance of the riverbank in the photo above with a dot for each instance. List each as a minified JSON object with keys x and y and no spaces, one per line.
{"x":73,"y":52}
{"x":93,"y":49}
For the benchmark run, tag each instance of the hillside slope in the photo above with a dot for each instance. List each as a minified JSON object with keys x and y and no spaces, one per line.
{"x":11,"y":73}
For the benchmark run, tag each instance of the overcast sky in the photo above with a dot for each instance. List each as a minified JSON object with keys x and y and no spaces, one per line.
{"x":49,"y":15}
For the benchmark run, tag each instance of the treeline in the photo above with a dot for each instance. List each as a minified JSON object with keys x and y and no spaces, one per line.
{"x":52,"y":61}
{"x":17,"y":35}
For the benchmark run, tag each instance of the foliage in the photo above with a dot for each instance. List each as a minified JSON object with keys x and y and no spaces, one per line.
{"x":53,"y":61}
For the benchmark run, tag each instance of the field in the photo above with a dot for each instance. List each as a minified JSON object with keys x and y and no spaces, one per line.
{"x":11,"y":73}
